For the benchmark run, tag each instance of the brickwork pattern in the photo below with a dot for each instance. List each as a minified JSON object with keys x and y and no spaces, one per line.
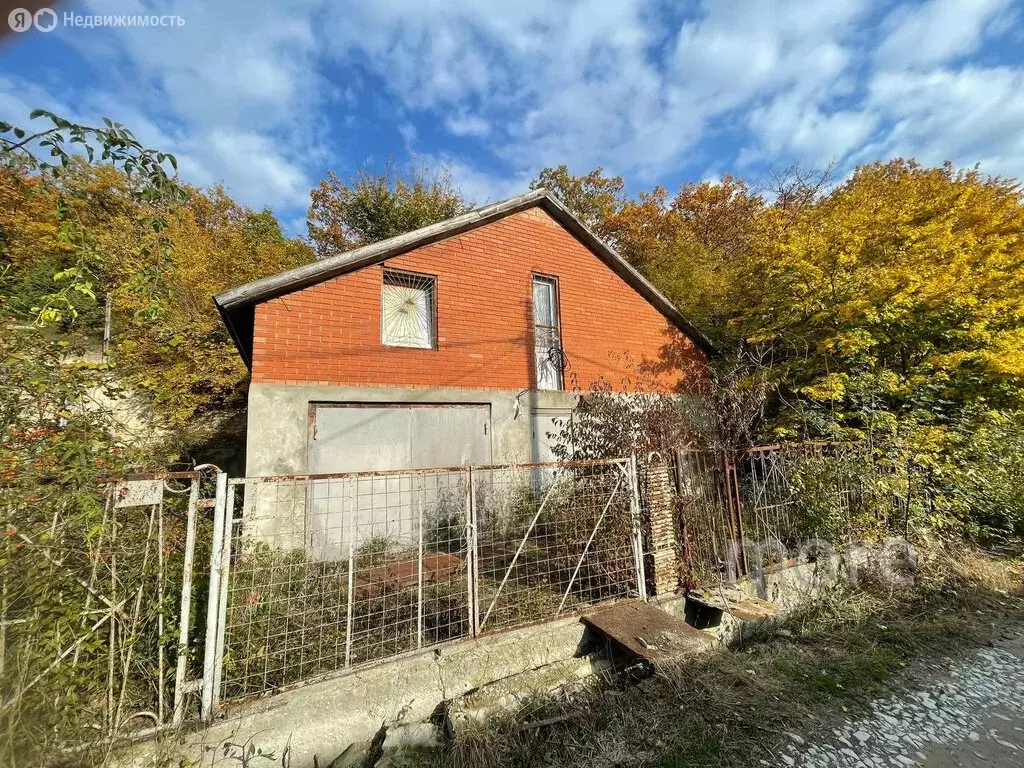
{"x":330,"y":334}
{"x":663,"y":537}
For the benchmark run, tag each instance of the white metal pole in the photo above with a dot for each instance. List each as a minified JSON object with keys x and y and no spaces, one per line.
{"x":637,"y":525}
{"x":222,"y":604}
{"x":186,"y":602}
{"x":351,"y":576}
{"x":418,"y":496}
{"x":472,"y":570}
{"x":213,"y":601}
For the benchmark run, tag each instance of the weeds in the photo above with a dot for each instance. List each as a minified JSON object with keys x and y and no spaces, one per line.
{"x":735,"y":707}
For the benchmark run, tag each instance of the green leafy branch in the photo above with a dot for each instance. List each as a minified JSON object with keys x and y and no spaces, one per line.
{"x":50,"y":151}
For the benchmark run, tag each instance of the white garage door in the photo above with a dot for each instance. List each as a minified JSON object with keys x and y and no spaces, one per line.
{"x":350,"y":438}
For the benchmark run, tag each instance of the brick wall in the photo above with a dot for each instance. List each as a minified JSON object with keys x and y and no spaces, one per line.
{"x":330,"y":333}
{"x":657,"y":490}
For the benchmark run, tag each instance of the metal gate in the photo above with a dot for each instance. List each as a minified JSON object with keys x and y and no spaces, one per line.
{"x":317,"y":573}
{"x":97,"y":610}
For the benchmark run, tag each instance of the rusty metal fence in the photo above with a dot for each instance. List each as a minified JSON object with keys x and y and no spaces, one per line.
{"x":314,"y":574}
{"x":775,"y":504}
{"x":201,"y":588}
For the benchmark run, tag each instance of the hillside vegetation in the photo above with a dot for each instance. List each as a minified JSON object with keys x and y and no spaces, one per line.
{"x":888,"y":308}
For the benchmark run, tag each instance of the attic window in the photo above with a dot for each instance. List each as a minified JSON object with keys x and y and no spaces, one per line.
{"x":407,"y":310}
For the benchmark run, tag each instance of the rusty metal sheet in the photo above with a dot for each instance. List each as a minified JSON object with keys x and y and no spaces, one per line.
{"x":436,"y":567}
{"x":648,"y":632}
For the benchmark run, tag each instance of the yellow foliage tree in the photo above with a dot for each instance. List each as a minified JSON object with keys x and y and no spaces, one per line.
{"x":170,"y":345}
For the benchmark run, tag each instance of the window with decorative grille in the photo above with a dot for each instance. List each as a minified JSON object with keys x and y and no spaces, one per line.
{"x":547,"y":340}
{"x":407,"y":310}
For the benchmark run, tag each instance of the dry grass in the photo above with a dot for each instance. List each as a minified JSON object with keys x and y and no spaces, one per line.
{"x":735,"y":708}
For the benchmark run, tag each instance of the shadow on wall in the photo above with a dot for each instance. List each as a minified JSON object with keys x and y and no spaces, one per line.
{"x":223,"y":444}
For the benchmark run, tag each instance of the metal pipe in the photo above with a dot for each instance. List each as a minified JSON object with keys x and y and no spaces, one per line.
{"x":222,"y":603}
{"x":473,"y":569}
{"x":351,"y":580}
{"x":213,"y":601}
{"x":419,"y":559}
{"x":160,"y":663}
{"x":186,"y":603}
{"x":433,"y":470}
{"x":638,"y":535}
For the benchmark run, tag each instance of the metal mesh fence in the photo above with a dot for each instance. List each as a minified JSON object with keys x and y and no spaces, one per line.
{"x":333,"y":571}
{"x":777,"y":503}
{"x":95,"y":604}
{"x":553,"y":538}
{"x":709,"y":537}
{"x":793,"y":494}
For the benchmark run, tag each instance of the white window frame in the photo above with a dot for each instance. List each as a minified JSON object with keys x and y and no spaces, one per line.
{"x":548,"y":376}
{"x":425,"y":316}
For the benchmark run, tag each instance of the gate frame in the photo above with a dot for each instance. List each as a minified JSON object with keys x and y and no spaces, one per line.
{"x":221,"y":550}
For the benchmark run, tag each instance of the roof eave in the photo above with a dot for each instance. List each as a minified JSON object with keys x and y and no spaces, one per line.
{"x":239,"y":303}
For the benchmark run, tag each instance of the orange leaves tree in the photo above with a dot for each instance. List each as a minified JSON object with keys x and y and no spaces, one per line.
{"x":92,"y":218}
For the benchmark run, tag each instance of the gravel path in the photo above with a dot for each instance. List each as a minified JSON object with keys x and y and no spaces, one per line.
{"x":969,"y":712}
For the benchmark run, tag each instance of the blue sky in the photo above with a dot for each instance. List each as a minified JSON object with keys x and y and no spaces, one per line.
{"x":265,"y":97}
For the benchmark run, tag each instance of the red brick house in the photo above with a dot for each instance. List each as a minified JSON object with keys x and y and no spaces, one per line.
{"x":459,"y":342}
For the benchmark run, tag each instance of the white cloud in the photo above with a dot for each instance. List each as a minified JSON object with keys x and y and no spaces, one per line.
{"x":240,"y":95}
{"x":590,"y":85}
{"x":467,"y":125}
{"x":408,"y":133}
{"x":233,"y":93}
{"x":969,"y":116}
{"x":479,"y":186}
{"x":936,"y":31}
{"x":800,"y":130}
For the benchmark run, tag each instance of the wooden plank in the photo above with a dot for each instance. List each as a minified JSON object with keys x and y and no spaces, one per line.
{"x":437,"y":566}
{"x":647,"y":632}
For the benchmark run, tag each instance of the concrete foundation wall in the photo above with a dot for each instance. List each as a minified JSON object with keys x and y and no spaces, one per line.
{"x":279,"y":414}
{"x":324,"y":718}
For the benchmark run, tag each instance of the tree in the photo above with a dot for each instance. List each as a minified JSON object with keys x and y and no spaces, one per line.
{"x":54,"y":150}
{"x":346,"y":214}
{"x":594,"y":197}
{"x":186,"y":362}
{"x":905,"y":278}
{"x":77,"y":235}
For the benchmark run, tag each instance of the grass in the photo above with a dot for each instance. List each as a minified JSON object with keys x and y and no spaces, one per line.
{"x":737,"y":707}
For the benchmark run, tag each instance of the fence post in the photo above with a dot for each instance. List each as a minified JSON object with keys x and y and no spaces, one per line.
{"x":213,"y":600}
{"x":222,"y":604}
{"x":351,"y":576}
{"x":471,"y":566}
{"x":637,"y":527}
{"x":735,"y":512}
{"x":186,"y":602}
{"x":418,"y":501}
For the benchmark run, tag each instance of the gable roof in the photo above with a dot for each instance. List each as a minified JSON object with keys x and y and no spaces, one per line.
{"x":237,"y":306}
